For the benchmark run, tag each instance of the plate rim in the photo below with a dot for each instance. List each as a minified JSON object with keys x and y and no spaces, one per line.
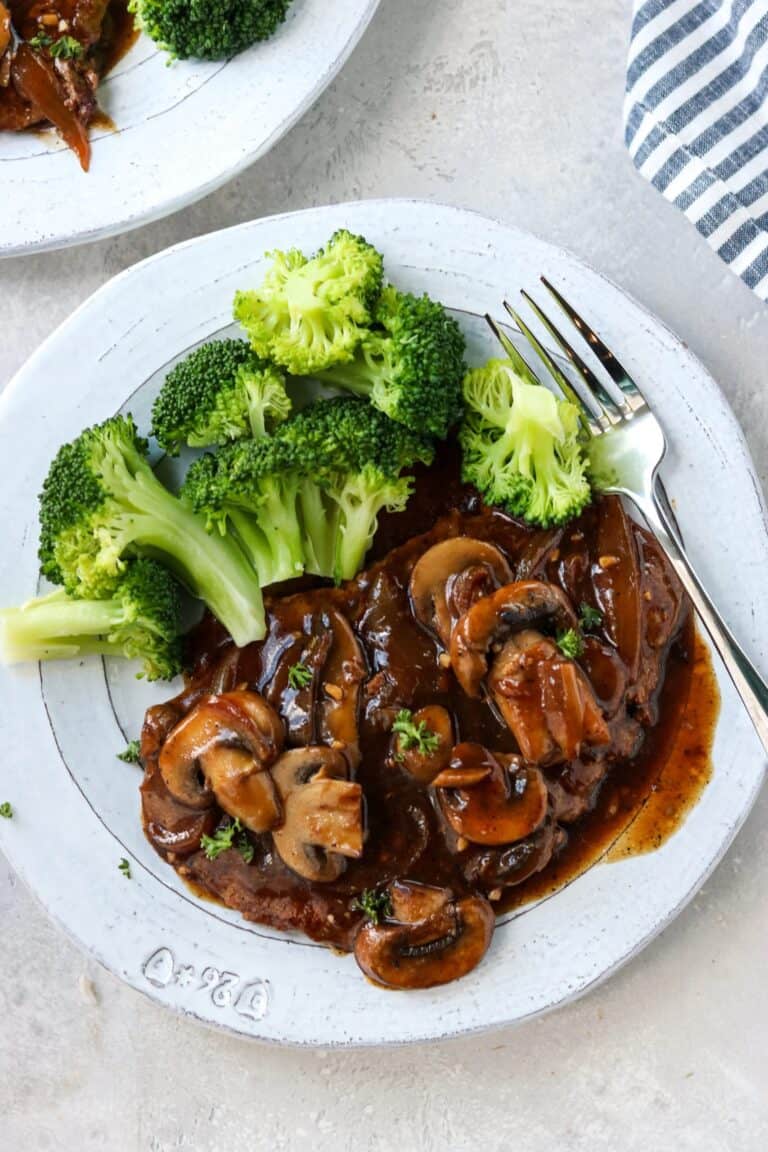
{"x":706,"y":379}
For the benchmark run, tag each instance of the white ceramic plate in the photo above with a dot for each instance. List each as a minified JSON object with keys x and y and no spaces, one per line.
{"x":78,"y":807}
{"x":181,"y":131}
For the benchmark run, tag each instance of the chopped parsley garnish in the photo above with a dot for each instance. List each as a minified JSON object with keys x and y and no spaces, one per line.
{"x":65,"y":48}
{"x":570,"y":643}
{"x":131,"y":753}
{"x":245,"y":848}
{"x":299,"y":676}
{"x":374,"y":904}
{"x":589,"y":616}
{"x":125,"y":868}
{"x":231,"y":835}
{"x":411,"y":735}
{"x":6,"y":811}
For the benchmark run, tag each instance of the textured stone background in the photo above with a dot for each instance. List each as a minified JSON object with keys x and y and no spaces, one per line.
{"x":511,"y":107}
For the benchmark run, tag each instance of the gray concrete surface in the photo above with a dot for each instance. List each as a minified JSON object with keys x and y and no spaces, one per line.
{"x":511,"y":107}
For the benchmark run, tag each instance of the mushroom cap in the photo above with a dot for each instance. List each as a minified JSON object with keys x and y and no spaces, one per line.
{"x":244,"y":792}
{"x":431,"y":938}
{"x":451,"y":576}
{"x":490,"y":620}
{"x":240,"y":719}
{"x":545,"y":699}
{"x":424,"y":766}
{"x":508,"y":865}
{"x":508,"y":803}
{"x":322,"y":813}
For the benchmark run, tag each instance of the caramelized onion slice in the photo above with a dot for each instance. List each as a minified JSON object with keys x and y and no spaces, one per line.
{"x":35,"y":80}
{"x":545,"y":699}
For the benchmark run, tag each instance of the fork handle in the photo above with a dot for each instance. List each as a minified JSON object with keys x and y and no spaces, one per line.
{"x":750,"y":685}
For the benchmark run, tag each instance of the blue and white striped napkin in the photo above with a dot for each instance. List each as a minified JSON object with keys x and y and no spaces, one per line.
{"x":696,"y":120}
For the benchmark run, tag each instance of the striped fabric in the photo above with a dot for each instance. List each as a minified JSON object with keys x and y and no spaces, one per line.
{"x":696,"y":120}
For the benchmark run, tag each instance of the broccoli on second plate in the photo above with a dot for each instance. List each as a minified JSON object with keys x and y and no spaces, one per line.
{"x":208,"y":29}
{"x":521,"y":446}
{"x":102,"y":505}
{"x":220,"y":392}
{"x":410,"y":364}
{"x":141,"y":620}
{"x":309,"y":314}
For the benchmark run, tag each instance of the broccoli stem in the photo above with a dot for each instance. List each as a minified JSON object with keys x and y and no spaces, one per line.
{"x":275,"y":556}
{"x":359,"y":507}
{"x":213,"y":568}
{"x":320,"y":523}
{"x":358,"y":376}
{"x":58,"y":627}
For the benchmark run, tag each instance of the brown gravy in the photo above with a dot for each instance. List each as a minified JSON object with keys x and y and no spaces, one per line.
{"x":120,"y":35}
{"x":644,"y":801}
{"x":629,"y":801}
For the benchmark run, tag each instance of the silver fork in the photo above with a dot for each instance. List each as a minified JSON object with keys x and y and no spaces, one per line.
{"x":626,"y":447}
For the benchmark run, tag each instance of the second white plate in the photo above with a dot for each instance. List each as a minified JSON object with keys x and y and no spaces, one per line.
{"x":182,"y":130}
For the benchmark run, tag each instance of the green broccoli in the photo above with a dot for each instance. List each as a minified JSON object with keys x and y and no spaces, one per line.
{"x":310,"y":314}
{"x":222,"y":391}
{"x":252,"y":487}
{"x":141,"y":621}
{"x":410,"y":364}
{"x":208,"y":29}
{"x":102,"y":505}
{"x":352,"y":456}
{"x":309,"y":496}
{"x":521,"y":446}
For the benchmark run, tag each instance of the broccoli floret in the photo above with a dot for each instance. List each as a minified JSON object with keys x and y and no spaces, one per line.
{"x":410,"y":364}
{"x":220,"y":392}
{"x":309,"y":314}
{"x":308,"y":498}
{"x":208,"y":29}
{"x":252,"y":487}
{"x":140,"y":621}
{"x":521,"y":446}
{"x":352,"y":456}
{"x":102,"y":505}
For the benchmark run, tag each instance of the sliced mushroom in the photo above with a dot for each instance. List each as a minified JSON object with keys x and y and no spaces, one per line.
{"x":545,"y":699}
{"x":430,"y":938}
{"x":507,"y":803}
{"x":505,"y":867}
{"x":239,"y":719}
{"x":242,"y":790}
{"x":452,"y":576}
{"x":322,"y":813}
{"x":490,"y":621}
{"x":424,"y":766}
